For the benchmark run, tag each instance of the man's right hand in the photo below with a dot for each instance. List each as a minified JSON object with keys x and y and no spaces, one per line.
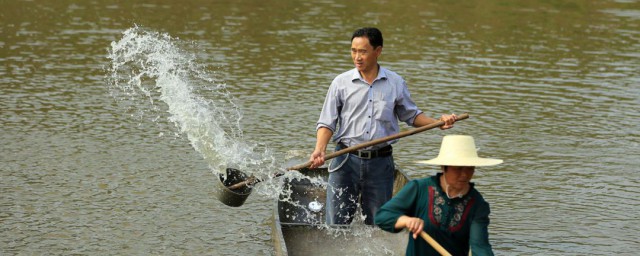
{"x":317,"y":158}
{"x":322,"y":139}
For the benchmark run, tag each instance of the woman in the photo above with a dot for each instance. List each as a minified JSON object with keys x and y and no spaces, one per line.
{"x":446,"y":206}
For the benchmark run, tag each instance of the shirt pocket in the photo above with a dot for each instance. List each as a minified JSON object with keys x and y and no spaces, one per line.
{"x":383,"y":110}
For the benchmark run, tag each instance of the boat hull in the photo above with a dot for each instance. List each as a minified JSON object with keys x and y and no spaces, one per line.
{"x":299,"y":230}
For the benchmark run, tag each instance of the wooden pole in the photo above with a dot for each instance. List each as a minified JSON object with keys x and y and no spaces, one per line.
{"x":253,"y":179}
{"x":434,"y":244}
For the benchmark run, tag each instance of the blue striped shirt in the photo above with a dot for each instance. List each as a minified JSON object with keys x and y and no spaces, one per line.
{"x":361,"y":112}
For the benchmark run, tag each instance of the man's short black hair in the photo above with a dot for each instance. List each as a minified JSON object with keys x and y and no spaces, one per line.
{"x":373,"y":34}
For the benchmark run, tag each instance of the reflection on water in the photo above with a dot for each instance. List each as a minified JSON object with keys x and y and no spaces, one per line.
{"x":551,"y":88}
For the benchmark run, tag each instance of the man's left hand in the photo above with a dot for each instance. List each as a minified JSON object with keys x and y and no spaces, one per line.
{"x":448,"y":121}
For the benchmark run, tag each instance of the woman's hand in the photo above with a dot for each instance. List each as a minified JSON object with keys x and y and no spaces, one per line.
{"x":414,"y":225}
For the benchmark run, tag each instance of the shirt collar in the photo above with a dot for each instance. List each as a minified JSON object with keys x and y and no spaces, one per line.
{"x":382,"y":74}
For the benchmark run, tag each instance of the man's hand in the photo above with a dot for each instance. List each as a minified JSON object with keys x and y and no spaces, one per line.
{"x":322,"y":139}
{"x":317,"y":158}
{"x":448,"y":121}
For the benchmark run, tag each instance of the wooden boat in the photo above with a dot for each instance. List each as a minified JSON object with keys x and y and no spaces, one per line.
{"x":298,"y":226}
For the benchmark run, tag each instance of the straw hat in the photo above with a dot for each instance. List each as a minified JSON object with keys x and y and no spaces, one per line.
{"x":460,"y":150}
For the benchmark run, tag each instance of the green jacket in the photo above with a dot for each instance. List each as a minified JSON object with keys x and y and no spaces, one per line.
{"x":457,"y":224}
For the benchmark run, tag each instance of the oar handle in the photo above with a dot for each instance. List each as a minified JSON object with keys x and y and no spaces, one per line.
{"x":434,"y":244}
{"x":378,"y":141}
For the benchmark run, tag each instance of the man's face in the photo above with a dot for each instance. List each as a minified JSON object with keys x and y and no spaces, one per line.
{"x":364,"y":56}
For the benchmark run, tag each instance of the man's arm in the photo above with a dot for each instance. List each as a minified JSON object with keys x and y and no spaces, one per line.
{"x":323,"y":135}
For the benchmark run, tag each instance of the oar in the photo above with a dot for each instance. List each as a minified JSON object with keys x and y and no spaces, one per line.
{"x":434,"y":244}
{"x":253,"y":180}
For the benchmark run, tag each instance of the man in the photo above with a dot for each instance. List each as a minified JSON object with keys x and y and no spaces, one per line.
{"x":364,"y":104}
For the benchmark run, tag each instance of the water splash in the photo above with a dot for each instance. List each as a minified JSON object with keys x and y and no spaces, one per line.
{"x":148,"y":67}
{"x":153,"y":78}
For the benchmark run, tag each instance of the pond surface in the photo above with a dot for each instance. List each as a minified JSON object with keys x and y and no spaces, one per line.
{"x":552,"y":87}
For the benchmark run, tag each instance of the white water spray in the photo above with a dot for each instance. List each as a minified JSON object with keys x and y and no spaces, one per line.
{"x":147,"y":67}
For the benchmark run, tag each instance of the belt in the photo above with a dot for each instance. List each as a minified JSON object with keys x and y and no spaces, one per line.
{"x":368,"y":154}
